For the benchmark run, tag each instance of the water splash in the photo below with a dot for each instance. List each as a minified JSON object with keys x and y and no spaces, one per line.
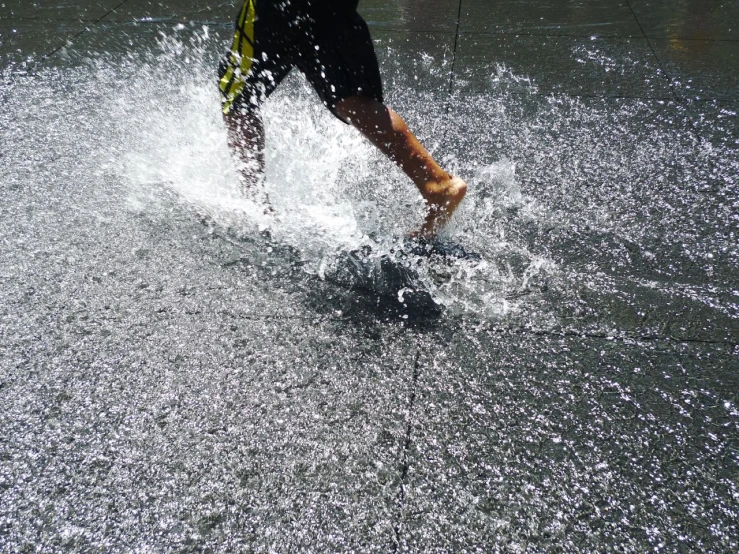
{"x":331,"y":191}
{"x":553,"y":197}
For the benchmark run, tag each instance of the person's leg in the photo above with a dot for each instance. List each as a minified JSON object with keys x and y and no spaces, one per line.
{"x":249,"y":72}
{"x":388,"y":132}
{"x":246,"y":139}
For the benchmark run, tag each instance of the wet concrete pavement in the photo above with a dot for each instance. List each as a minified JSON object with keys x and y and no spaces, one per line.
{"x":167,"y":386}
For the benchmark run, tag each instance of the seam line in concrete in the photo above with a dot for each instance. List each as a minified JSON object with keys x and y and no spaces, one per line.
{"x":707,"y":100}
{"x":46,"y":56}
{"x":545,"y":35}
{"x":468,"y":93}
{"x":110,"y":11}
{"x":400,"y":500}
{"x":73,"y":38}
{"x":611,"y":338}
{"x":686,"y":39}
{"x":377,"y":29}
{"x":588,"y":36}
{"x":450,"y":91}
{"x":654,"y":52}
{"x":165,"y":22}
{"x":56,"y":19}
{"x":684,"y":101}
{"x":454,"y":51}
{"x":493,"y":328}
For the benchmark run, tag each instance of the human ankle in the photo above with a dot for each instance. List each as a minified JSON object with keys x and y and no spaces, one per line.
{"x":451,"y":186}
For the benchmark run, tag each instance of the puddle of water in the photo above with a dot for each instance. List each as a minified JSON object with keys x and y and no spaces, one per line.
{"x":157,"y":126}
{"x":580,"y":212}
{"x":152,"y":123}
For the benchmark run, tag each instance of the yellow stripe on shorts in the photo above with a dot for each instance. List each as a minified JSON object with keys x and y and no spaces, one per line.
{"x":242,"y":52}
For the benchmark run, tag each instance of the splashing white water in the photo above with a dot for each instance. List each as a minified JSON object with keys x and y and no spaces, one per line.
{"x":331,"y":192}
{"x":153,"y":122}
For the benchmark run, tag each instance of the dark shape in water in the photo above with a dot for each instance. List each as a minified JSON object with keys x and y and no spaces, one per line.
{"x":393,"y":276}
{"x":389,"y":276}
{"x":438,"y":250}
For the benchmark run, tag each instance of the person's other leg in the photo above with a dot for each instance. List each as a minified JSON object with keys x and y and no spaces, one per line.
{"x":388,"y":132}
{"x":245,"y":127}
{"x":246,"y":140}
{"x":248,"y":74}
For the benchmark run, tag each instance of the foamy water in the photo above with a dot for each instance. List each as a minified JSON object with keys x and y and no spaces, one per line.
{"x":149,"y":126}
{"x":153,"y":123}
{"x":176,"y":376}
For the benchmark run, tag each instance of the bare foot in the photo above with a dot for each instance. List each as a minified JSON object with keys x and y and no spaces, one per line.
{"x":442,"y":199}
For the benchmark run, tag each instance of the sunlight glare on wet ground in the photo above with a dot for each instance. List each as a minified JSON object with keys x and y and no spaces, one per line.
{"x":183,"y":371}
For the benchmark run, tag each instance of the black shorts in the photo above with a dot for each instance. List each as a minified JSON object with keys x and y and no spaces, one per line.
{"x":335,"y":54}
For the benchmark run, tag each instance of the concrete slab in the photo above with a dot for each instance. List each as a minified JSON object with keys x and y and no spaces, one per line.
{"x":643,"y":177}
{"x":23,"y":42}
{"x":687,"y":20}
{"x":407,"y":15}
{"x":264,"y":438}
{"x":541,"y":17}
{"x":199,"y":45}
{"x":82,"y":10}
{"x":559,"y":65}
{"x":164,"y":399}
{"x":700,"y":69}
{"x":717,"y":122}
{"x":542,"y":443}
{"x":173,"y":380}
{"x":186,"y":11}
{"x":414,"y":61}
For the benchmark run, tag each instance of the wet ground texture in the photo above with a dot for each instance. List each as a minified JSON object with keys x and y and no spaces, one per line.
{"x":179,"y":375}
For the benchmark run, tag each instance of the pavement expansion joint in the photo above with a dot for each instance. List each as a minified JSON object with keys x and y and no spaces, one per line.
{"x":654,"y":53}
{"x":448,"y":106}
{"x":73,"y":37}
{"x":615,"y":337}
{"x":56,"y":19}
{"x":113,"y":10}
{"x":548,"y":34}
{"x":516,"y":94}
{"x":405,"y":465}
